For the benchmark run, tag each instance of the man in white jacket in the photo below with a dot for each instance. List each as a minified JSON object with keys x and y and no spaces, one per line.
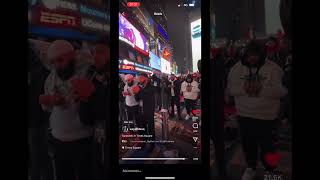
{"x":71,"y":138}
{"x":132,"y":104}
{"x":256,"y":84}
{"x":190,"y":90}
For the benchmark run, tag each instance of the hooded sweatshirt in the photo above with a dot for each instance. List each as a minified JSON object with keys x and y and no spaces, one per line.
{"x":193,"y":95}
{"x":65,"y":120}
{"x":264,"y":106}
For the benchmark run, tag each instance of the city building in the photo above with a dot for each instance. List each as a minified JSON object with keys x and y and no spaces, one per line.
{"x":149,"y":24}
{"x":236,"y":18}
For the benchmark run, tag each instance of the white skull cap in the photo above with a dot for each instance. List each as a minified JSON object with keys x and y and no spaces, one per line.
{"x":128,"y":77}
{"x":58,"y":48}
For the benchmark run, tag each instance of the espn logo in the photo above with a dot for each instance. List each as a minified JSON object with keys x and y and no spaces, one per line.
{"x":53,"y":18}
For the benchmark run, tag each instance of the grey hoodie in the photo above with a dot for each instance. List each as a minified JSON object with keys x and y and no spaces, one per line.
{"x":266,"y":105}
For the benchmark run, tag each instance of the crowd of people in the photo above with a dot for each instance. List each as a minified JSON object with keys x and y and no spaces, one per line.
{"x":68,"y":111}
{"x":143,"y":95}
{"x":68,"y":104}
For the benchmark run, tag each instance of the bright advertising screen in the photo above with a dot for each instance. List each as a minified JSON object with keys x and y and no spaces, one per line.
{"x":273,"y":22}
{"x":196,"y":43}
{"x":165,"y":66}
{"x":155,"y":61}
{"x":129,"y":34}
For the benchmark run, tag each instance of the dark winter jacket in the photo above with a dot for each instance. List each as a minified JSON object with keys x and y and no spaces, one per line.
{"x":37,"y":76}
{"x":148,"y":101}
{"x":95,"y":112}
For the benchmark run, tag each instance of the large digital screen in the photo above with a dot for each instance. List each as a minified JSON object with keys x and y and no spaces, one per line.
{"x":165,"y":66}
{"x":272,"y":15}
{"x":129,"y":34}
{"x":155,"y":61}
{"x":163,"y":32}
{"x":196,"y":43}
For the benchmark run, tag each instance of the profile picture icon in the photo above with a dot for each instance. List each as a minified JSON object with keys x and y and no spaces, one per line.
{"x":125,"y":129}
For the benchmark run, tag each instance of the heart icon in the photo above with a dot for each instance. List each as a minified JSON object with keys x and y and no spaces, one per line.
{"x":272,"y":159}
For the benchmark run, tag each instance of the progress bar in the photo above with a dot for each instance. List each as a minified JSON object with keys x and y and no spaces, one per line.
{"x":160,"y":178}
{"x":154,"y":159}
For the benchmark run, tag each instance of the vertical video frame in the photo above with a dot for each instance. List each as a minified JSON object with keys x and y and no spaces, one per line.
{"x":68,"y":89}
{"x":159,"y":87}
{"x":252,"y":41}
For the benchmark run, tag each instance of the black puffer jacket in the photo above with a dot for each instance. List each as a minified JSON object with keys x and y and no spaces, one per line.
{"x":147,"y":96}
{"x":96,"y":110}
{"x":37,"y":77}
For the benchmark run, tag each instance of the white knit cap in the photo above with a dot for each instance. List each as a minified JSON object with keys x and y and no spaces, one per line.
{"x":58,"y":48}
{"x":128,"y":76}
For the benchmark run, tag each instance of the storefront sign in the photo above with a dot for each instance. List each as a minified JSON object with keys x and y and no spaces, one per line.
{"x":55,"y":19}
{"x":128,"y":67}
{"x":142,"y":66}
{"x":55,"y":4}
{"x":94,"y":12}
{"x":94,"y":25}
{"x":126,"y":62}
{"x":143,"y":70}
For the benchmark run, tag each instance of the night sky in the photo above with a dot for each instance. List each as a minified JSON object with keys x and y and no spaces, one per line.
{"x":177,"y":28}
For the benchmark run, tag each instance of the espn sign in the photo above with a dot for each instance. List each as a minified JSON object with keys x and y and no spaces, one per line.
{"x":128,"y":67}
{"x":55,"y":19}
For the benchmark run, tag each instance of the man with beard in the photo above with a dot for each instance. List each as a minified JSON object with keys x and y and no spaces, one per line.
{"x":70,"y":137}
{"x":175,"y":88}
{"x":190,"y":90}
{"x":132,"y":105}
{"x":146,"y":95}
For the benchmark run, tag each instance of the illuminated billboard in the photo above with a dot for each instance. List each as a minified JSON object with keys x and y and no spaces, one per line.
{"x":129,"y":34}
{"x":165,"y":66}
{"x":196,"y":43}
{"x":155,"y":61}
